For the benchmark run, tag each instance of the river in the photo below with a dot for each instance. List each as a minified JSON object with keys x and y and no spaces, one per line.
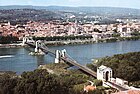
{"x":19,"y":60}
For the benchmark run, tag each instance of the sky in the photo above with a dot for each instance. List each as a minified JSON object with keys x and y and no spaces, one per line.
{"x":75,"y":3}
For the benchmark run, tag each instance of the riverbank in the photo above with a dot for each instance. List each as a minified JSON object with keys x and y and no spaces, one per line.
{"x":89,"y":41}
{"x":125,"y":66}
{"x":69,"y":42}
{"x":13,"y":45}
{"x":75,"y":42}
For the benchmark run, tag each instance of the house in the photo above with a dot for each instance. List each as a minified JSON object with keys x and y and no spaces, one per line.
{"x":121,"y":81}
{"x":89,"y":87}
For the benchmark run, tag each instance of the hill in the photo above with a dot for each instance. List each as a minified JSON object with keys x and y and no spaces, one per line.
{"x":125,"y":66}
{"x":24,"y":15}
{"x":96,"y":10}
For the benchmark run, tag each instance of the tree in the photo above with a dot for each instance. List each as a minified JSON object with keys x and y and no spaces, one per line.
{"x":125,"y":66}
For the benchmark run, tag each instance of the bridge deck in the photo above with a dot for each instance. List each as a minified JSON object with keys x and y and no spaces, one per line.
{"x":84,"y":68}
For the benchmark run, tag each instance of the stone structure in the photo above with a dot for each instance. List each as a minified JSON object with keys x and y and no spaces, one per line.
{"x":59,"y":54}
{"x":104,"y":73}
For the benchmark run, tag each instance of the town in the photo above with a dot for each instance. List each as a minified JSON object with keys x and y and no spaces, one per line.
{"x":58,"y":28}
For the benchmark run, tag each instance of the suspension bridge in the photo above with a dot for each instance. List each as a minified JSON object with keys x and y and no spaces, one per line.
{"x":58,"y":55}
{"x":63,"y":55}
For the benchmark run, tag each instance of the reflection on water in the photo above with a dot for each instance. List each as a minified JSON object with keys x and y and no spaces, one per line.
{"x":84,"y":54}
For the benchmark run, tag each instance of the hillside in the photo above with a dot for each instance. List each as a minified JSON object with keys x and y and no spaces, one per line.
{"x":24,"y":15}
{"x":18,"y":14}
{"x":96,"y":10}
{"x":125,"y":66}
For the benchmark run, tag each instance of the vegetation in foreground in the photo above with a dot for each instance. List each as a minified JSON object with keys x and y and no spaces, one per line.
{"x":125,"y":66}
{"x":40,"y":81}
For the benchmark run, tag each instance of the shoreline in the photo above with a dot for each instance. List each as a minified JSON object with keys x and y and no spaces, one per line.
{"x":14,"y":45}
{"x":90,"y":41}
{"x":74,"y":42}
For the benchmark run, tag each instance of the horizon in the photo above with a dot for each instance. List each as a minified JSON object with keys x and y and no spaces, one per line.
{"x":74,"y":3}
{"x":71,"y":6}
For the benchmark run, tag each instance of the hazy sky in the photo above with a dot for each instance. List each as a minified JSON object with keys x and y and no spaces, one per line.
{"x":112,"y":3}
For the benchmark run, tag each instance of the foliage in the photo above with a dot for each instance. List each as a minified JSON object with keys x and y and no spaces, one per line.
{"x":111,"y":40}
{"x":8,"y":39}
{"x":22,"y":16}
{"x":78,"y":89}
{"x":116,"y":35}
{"x":97,"y":91}
{"x":97,"y":82}
{"x":41,"y":82}
{"x":92,"y":67}
{"x":135,"y":34}
{"x":59,"y":38}
{"x":135,"y":84}
{"x":125,"y":66}
{"x":35,"y":82}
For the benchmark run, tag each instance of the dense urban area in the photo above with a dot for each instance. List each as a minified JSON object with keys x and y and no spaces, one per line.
{"x":52,"y":26}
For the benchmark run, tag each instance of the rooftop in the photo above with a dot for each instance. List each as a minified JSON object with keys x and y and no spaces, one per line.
{"x":102,"y":67}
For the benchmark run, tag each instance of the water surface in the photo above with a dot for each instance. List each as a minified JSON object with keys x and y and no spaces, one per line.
{"x":19,"y":60}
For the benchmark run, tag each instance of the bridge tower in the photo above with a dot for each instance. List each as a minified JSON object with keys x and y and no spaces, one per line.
{"x":23,"y":41}
{"x":36,"y":46}
{"x":57,"y":56}
{"x":63,"y":53}
{"x":37,"y":49}
{"x":104,"y":73}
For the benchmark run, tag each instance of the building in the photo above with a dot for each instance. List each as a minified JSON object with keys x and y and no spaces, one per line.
{"x":120,"y":81}
{"x":104,"y":73}
{"x":89,"y":87}
{"x":129,"y":92}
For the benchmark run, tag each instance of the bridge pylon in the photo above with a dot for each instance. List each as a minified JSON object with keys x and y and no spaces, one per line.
{"x":63,"y":53}
{"x":36,"y":47}
{"x":27,"y":39}
{"x":59,"y":54}
{"x":24,"y":40}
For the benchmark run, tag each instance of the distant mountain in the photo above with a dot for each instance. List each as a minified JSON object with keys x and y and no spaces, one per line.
{"x":24,"y":15}
{"x":96,"y":10}
{"x":15,"y":7}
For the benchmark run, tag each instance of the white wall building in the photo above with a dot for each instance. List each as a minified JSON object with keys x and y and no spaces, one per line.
{"x":104,"y":73}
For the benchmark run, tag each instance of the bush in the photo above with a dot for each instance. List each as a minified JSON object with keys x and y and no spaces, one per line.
{"x":125,"y":66}
{"x":98,"y":82}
